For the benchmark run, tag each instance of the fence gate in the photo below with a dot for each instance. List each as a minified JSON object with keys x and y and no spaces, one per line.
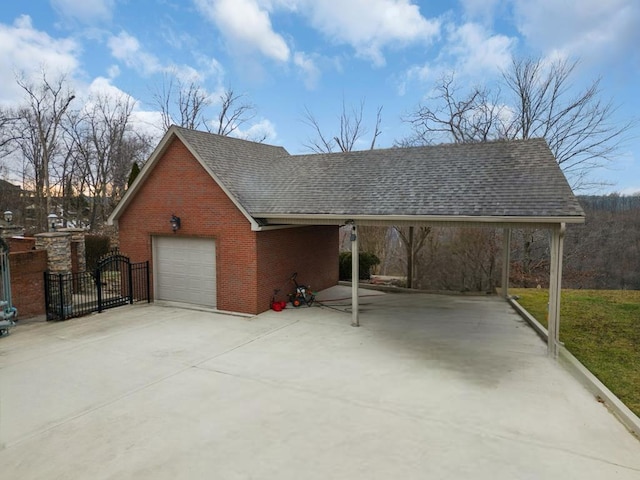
{"x":115,"y":282}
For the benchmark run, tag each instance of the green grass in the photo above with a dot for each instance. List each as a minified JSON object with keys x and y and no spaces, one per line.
{"x":601,"y":328}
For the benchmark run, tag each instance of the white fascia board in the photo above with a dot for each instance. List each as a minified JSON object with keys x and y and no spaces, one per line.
{"x":340,"y":219}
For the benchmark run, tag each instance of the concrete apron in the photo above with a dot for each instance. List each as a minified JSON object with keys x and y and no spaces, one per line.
{"x":429,"y":386}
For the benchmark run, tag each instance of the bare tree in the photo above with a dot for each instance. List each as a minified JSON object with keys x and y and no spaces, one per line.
{"x":182,"y":104}
{"x":104,"y":147}
{"x":453,"y":114}
{"x":579,"y":127}
{"x":351,"y":130}
{"x":36,"y":133}
{"x":189,"y":105}
{"x":234,"y":112}
{"x":413,"y":245}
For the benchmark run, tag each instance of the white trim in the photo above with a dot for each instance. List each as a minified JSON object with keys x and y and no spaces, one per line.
{"x":341,"y":219}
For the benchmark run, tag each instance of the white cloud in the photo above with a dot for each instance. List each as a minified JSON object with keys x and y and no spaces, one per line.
{"x":126,"y":47}
{"x":113,"y":71}
{"x":142,"y":121}
{"x":481,"y":10}
{"x":591,"y":29}
{"x":476,"y":50}
{"x":246,"y":27}
{"x":309,"y":69}
{"x":370,"y":25}
{"x":471,"y":51}
{"x":85,"y":11}
{"x":24,"y":49}
{"x":263,"y":129}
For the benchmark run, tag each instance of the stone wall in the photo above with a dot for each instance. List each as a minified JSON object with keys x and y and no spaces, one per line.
{"x":58,"y":247}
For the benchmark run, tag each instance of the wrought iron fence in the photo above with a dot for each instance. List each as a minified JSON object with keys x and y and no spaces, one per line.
{"x":115,"y":282}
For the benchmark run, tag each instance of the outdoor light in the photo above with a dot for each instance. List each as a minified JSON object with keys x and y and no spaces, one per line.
{"x":175,"y":222}
{"x":8,"y":216}
{"x":51,"y":218}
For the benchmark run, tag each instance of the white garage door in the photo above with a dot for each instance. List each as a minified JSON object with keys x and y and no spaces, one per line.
{"x":185,"y":270}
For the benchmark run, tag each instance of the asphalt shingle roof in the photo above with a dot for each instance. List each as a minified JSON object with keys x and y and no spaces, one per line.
{"x":514,"y":178}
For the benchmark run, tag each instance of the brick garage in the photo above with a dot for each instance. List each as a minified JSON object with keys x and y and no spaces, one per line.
{"x":250,"y":261}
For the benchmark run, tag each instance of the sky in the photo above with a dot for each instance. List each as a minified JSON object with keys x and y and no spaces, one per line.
{"x":291,"y":56}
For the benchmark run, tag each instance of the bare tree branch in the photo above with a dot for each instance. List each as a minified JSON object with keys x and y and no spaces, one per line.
{"x":579,"y":129}
{"x":234,"y":112}
{"x":351,"y":130}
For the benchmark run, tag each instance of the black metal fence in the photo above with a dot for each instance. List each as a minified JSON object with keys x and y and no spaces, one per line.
{"x":115,"y":282}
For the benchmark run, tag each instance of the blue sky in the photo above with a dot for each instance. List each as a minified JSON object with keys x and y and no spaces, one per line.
{"x":288,"y":55}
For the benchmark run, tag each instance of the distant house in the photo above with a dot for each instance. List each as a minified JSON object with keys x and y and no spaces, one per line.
{"x":250,"y":214}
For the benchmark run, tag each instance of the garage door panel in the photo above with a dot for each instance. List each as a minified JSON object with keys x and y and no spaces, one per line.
{"x":185,"y":270}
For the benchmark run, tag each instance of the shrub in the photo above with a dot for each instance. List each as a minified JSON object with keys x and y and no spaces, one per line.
{"x":366,"y":261}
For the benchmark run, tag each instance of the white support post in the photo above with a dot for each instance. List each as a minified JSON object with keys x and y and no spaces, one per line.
{"x":555,"y":288}
{"x":355,"y":277}
{"x":506,"y":261}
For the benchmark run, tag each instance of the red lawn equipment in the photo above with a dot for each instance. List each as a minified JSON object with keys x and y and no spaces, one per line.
{"x":277,"y":305}
{"x":302,"y":294}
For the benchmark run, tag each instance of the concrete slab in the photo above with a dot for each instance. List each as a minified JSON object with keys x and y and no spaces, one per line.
{"x":428,"y":387}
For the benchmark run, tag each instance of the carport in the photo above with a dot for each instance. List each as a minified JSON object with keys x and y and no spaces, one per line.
{"x":504,"y":184}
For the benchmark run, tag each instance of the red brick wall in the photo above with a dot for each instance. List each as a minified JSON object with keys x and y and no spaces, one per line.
{"x":27,"y":282}
{"x":312,"y":252}
{"x":179,"y":185}
{"x":21,"y":244}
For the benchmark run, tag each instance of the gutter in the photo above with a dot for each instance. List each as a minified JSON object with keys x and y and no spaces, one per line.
{"x":341,"y":219}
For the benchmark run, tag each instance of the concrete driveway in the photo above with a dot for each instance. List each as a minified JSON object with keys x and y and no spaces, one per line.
{"x":429,"y":386}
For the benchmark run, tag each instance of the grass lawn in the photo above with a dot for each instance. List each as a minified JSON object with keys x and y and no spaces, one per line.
{"x":602,"y":330}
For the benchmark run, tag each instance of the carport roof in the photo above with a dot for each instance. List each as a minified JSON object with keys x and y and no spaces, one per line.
{"x":503,"y":181}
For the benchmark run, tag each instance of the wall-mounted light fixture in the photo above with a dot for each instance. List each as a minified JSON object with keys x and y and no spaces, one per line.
{"x":8,"y":216}
{"x":175,"y":223}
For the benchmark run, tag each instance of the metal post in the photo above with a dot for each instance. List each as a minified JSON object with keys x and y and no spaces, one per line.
{"x":355,"y":277}
{"x":506,"y":261}
{"x":130,"y":281}
{"x":99,"y":289}
{"x":61,"y":290}
{"x":555,"y":288}
{"x":47,"y":295}
{"x":148,"y":282}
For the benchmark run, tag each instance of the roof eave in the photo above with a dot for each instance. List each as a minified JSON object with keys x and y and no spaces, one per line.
{"x":341,"y":219}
